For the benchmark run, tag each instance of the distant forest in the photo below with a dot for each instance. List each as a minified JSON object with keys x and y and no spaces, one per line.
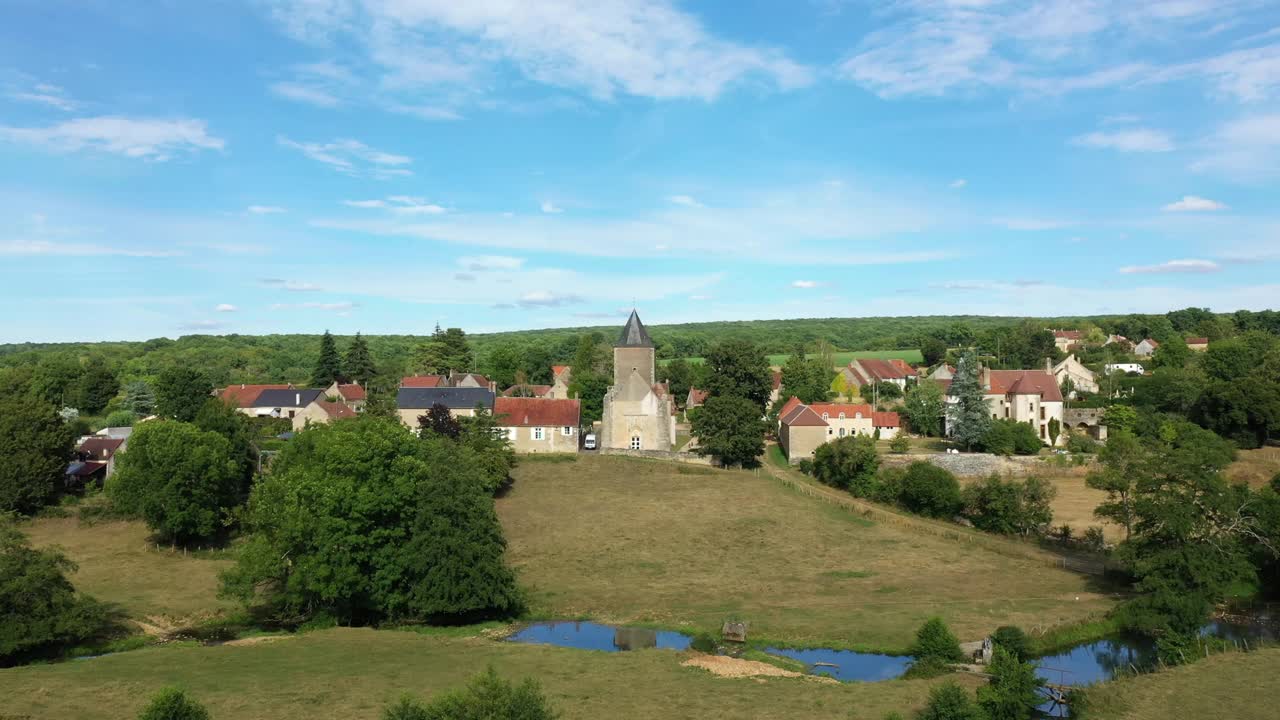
{"x":291,"y":358}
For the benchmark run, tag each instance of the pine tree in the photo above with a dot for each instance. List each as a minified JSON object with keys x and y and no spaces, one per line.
{"x":359,"y":363}
{"x":968,"y":417}
{"x":139,"y":399}
{"x":329,"y":365}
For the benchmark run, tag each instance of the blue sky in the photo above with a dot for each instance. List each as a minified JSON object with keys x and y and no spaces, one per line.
{"x":383,"y":165}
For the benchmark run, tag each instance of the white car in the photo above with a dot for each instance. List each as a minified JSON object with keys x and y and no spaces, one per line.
{"x":589,"y":442}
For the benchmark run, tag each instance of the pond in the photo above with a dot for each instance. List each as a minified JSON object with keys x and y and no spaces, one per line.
{"x":597,"y":636}
{"x":848,"y":665}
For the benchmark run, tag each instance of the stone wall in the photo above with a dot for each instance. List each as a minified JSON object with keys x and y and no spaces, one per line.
{"x":978,"y":464}
{"x":684,"y":457}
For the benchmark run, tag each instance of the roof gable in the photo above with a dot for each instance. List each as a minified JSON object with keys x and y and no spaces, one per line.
{"x":1025,"y":382}
{"x":803,"y":416}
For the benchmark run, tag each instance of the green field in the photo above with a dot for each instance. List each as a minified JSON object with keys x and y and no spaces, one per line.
{"x":841,"y":358}
{"x":636,"y":541}
{"x":1240,"y":686}
{"x":349,"y":674}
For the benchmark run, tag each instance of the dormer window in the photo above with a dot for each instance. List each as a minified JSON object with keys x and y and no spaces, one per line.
{"x":841,"y":416}
{"x":825,"y":416}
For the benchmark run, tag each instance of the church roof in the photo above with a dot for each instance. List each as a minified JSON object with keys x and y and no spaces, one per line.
{"x":634,"y":334}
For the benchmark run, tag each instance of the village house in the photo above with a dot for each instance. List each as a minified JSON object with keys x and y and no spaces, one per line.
{"x":866,"y":372}
{"x":1082,"y":378}
{"x":802,"y":428}
{"x":1198,"y":344}
{"x":281,"y":402}
{"x":1064,"y":340}
{"x":539,"y":425}
{"x":639,"y":413}
{"x":1029,"y":396}
{"x":525,"y":390}
{"x":561,"y":376}
{"x":695,"y":398}
{"x":350,"y":394}
{"x":423,"y":381}
{"x":414,"y":402}
{"x":1086,"y":421}
{"x":1146,"y":348}
{"x":321,"y":411}
{"x":244,"y":396}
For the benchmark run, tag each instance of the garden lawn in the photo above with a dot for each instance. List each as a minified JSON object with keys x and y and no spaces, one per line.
{"x":350,"y":674}
{"x":119,"y":564}
{"x":639,"y":541}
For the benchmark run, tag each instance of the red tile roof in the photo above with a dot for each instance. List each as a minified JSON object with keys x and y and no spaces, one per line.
{"x":850,"y":410}
{"x":1197,"y":341}
{"x":100,"y":448}
{"x":789,"y":405}
{"x":245,"y":395}
{"x":557,"y":370}
{"x":903,"y":365}
{"x":803,"y":416}
{"x":536,"y":412}
{"x":336,"y":410}
{"x":351,"y":392}
{"x":421,"y":381}
{"x":531,"y":390}
{"x":1025,"y":382}
{"x":1153,"y":343}
{"x":777,"y":379}
{"x":1068,"y":334}
{"x":885,"y":420}
{"x":880,"y":370}
{"x":697,"y":397}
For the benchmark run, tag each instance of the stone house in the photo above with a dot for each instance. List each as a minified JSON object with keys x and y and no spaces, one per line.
{"x":1086,"y":421}
{"x":244,"y":396}
{"x":1198,"y":344}
{"x":1030,"y":396}
{"x":1063,"y":340}
{"x":322,"y":411}
{"x":561,"y":376}
{"x":1145,"y":348}
{"x":282,"y":403}
{"x":539,"y":425}
{"x":350,"y":394}
{"x":100,"y":451}
{"x":1082,"y":378}
{"x":639,"y":413}
{"x":869,"y":371}
{"x":423,"y":381}
{"x":802,"y":428}
{"x":412,"y":402}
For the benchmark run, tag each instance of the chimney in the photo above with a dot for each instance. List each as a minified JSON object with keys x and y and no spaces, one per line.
{"x":1048,"y":365}
{"x":241,"y":386}
{"x":986,"y":378}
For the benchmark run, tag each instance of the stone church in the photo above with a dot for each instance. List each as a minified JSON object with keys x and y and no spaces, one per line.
{"x":638,"y":411}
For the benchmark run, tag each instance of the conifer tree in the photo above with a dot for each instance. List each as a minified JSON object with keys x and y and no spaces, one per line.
{"x":968,"y":417}
{"x":359,"y":362}
{"x":329,"y":365}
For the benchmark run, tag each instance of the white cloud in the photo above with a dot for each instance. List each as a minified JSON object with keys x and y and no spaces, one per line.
{"x":805,"y":284}
{"x":439,"y":49}
{"x":339,"y":307}
{"x":365,"y":203}
{"x":958,"y":183}
{"x":304,"y":94}
{"x":1137,"y":140}
{"x":402,"y":204}
{"x":685,"y":200}
{"x":1193,"y":203}
{"x":152,"y":139}
{"x":226,"y":308}
{"x":264,"y":209}
{"x":484,"y":263}
{"x":1173,"y":266}
{"x":24,"y":88}
{"x":550,"y":208}
{"x":547,"y":298}
{"x":1246,"y":149}
{"x":352,"y":157}
{"x":58,"y":249}
{"x":290,"y":285}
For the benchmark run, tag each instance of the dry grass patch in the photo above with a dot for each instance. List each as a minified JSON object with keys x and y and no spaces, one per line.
{"x":119,"y":564}
{"x":1255,"y":467}
{"x":1240,"y":686}
{"x":1074,"y":503}
{"x":349,"y":674}
{"x":628,"y":540}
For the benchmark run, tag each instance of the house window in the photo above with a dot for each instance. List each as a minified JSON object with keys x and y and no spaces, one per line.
{"x":292,"y":413}
{"x":1042,"y":433}
{"x":566,"y":430}
{"x":825,"y":416}
{"x":830,"y":431}
{"x":841,"y":416}
{"x":1006,"y":412}
{"x":1041,"y":412}
{"x":841,"y":432}
{"x":537,"y":433}
{"x":635,"y":442}
{"x":857,"y":415}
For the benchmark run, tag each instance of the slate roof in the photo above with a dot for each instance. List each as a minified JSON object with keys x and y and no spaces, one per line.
{"x":634,"y":334}
{"x":536,"y":412}
{"x":411,"y":398}
{"x":295,"y":398}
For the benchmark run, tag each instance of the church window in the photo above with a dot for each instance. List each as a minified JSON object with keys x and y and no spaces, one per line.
{"x":635,"y":442}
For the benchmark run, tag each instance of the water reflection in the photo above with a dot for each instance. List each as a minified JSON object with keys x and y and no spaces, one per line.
{"x":596,"y":636}
{"x":847,"y":665}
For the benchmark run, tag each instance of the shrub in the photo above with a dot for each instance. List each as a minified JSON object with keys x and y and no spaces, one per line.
{"x":120,"y":418}
{"x":805,"y":466}
{"x":849,"y":463}
{"x":1014,"y":690}
{"x":180,"y":479}
{"x":173,"y":704}
{"x":40,"y":611}
{"x":1013,"y":640}
{"x":1010,"y":507}
{"x":414,"y":518}
{"x":934,"y":640}
{"x":486,"y":697}
{"x":949,"y":701}
{"x":1094,"y":539}
{"x":929,"y":490}
{"x":36,"y":446}
{"x":704,"y":642}
{"x":1007,"y":437}
{"x":900,"y":444}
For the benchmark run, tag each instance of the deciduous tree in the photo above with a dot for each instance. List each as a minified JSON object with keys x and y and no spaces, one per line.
{"x":731,"y":429}
{"x":36,"y":446}
{"x":849,"y":463}
{"x":924,"y":408}
{"x":181,"y":391}
{"x":96,"y":387}
{"x":737,"y":368}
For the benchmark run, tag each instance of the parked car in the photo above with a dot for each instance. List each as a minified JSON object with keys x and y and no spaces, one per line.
{"x":589,"y":442}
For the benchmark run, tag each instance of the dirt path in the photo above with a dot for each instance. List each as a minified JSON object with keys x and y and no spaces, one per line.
{"x":724,"y":666}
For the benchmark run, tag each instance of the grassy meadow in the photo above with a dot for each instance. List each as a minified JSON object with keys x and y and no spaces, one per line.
{"x":1240,"y":686}
{"x":635,"y":541}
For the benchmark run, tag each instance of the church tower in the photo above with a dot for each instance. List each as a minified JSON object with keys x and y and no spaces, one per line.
{"x":633,"y":353}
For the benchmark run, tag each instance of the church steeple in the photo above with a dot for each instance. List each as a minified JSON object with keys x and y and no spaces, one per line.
{"x":633,"y":334}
